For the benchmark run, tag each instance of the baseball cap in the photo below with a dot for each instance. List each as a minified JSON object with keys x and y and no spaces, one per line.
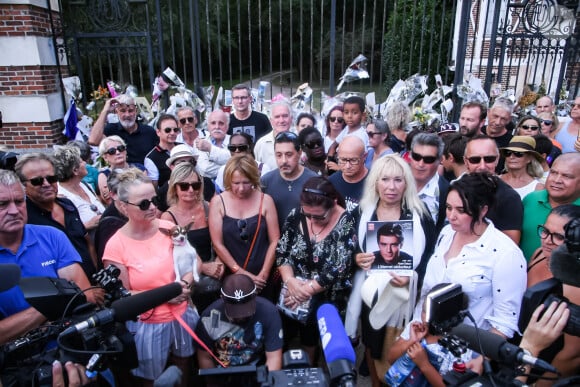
{"x":239,"y":295}
{"x":447,"y":128}
{"x":179,"y":151}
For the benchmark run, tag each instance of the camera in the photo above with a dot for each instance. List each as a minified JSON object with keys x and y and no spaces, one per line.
{"x":108,"y":279}
{"x":8,"y":160}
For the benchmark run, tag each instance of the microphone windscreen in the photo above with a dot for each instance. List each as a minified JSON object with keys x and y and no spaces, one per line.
{"x":9,"y":276}
{"x":335,"y":342}
{"x":490,"y":342}
{"x":565,"y":266}
{"x":130,"y":307}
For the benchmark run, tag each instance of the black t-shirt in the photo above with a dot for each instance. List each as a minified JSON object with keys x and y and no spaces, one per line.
{"x":352,"y":192}
{"x":508,"y":211}
{"x":256,"y":125}
{"x":139,"y":143}
{"x":502,"y":141}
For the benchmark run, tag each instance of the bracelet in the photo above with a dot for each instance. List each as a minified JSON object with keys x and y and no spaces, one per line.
{"x":235,"y":269}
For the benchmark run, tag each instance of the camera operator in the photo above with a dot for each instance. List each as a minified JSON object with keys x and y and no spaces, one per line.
{"x":39,"y":251}
{"x":75,"y":373}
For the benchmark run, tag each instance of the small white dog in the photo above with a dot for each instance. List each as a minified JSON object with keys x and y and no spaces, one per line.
{"x":184,"y":254}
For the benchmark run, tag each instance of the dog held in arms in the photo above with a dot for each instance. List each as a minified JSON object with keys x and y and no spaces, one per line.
{"x":184,"y":254}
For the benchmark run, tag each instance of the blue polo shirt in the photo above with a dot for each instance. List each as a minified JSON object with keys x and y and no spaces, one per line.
{"x":43,"y":251}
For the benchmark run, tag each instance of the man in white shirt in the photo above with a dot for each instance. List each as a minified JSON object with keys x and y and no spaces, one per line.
{"x":213,"y":151}
{"x":281,"y":120}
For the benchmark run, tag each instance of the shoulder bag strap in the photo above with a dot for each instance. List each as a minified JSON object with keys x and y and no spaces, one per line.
{"x":255,"y":234}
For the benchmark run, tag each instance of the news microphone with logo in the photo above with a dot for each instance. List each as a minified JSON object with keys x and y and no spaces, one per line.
{"x":338,"y":351}
{"x":127,"y":308}
{"x":497,"y":348}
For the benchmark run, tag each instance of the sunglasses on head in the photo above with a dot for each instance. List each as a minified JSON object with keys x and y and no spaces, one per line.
{"x":547,"y":122}
{"x":530,"y":127}
{"x":477,"y":159}
{"x":38,"y":181}
{"x":507,"y":153}
{"x":334,"y":119}
{"x":314,"y":144}
{"x":146,"y":203}
{"x":238,"y":148}
{"x":175,"y":130}
{"x":114,"y":150}
{"x":242,"y":224}
{"x":286,"y":136}
{"x":196,"y":185}
{"x":426,"y":159}
{"x":315,"y":217}
{"x":186,"y":119}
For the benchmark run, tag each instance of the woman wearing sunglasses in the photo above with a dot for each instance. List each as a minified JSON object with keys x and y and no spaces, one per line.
{"x":334,"y":125}
{"x":113,"y":151}
{"x":187,"y":207}
{"x":315,"y":257}
{"x":144,"y":256}
{"x":549,"y":123}
{"x":243,"y":222}
{"x":314,"y":156}
{"x":379,"y":140}
{"x":389,"y":195}
{"x":528,"y":126}
{"x":523,"y":165}
{"x":551,"y":235}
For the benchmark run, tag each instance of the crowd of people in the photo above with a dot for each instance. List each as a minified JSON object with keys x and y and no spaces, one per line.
{"x":286,"y":214}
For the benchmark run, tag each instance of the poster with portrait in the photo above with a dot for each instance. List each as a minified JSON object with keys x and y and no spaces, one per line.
{"x":392,"y":245}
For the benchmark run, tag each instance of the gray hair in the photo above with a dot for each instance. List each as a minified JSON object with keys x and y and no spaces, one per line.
{"x":8,"y":178}
{"x":398,"y":116}
{"x":503,"y":103}
{"x":282,"y":103}
{"x":66,"y":159}
{"x":429,"y":139}
{"x":29,"y":157}
{"x":103,"y":146}
{"x":125,"y":99}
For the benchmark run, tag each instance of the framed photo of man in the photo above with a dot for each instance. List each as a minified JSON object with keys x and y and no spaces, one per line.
{"x":392,"y":246}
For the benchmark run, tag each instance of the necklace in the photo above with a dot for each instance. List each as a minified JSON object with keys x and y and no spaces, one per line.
{"x":314,"y":239}
{"x":290,"y":183}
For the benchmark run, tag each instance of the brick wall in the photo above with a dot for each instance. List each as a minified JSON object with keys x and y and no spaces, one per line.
{"x":20,"y":82}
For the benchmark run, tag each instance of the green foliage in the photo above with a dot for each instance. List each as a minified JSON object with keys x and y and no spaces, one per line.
{"x":417,"y":40}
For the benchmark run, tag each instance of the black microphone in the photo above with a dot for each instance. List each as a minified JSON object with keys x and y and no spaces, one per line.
{"x":497,"y":348}
{"x":128,"y":308}
{"x":9,"y":276}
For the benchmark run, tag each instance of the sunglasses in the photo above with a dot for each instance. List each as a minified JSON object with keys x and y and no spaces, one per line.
{"x":38,"y":181}
{"x":507,"y":153}
{"x":334,"y":119}
{"x":196,"y":185}
{"x":426,"y":159}
{"x":286,"y":136}
{"x":314,"y":144}
{"x":120,"y":149}
{"x":556,"y":238}
{"x":547,"y":122}
{"x":175,"y":130}
{"x":238,"y":148}
{"x":186,"y":119}
{"x":316,"y":217}
{"x":372,"y":134}
{"x":529,"y":127}
{"x":477,"y":159}
{"x":242,"y":224}
{"x":146,"y":203}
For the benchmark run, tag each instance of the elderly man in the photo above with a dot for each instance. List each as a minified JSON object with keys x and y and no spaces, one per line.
{"x":38,"y":250}
{"x":482,"y":155}
{"x":350,"y":180}
{"x":281,"y":120}
{"x":545,"y":104}
{"x":284,"y":184}
{"x":213,"y":151}
{"x":167,"y":130}
{"x":499,"y":117}
{"x":188,"y":119}
{"x":426,"y":152}
{"x":139,"y":138}
{"x":244,"y":119}
{"x":562,"y":187}
{"x":472,"y":118}
{"x":44,"y":207}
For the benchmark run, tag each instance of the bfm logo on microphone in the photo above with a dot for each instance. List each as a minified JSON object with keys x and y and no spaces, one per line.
{"x":325,"y":336}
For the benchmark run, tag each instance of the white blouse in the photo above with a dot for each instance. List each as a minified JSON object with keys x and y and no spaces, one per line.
{"x":492,"y":273}
{"x":87,"y":210}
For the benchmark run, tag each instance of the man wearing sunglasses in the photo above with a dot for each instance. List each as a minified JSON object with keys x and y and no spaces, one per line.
{"x":281,"y":120}
{"x":426,"y":152}
{"x":482,"y":155}
{"x":38,"y":251}
{"x":244,"y":119}
{"x":188,"y":119}
{"x":213,"y":151}
{"x":140,"y":138}
{"x":167,"y":130}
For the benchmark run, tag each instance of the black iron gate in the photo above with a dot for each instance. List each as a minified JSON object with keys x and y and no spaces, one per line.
{"x":110,"y":40}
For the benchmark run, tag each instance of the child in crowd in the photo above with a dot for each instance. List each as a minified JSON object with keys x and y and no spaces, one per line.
{"x":354,"y":115}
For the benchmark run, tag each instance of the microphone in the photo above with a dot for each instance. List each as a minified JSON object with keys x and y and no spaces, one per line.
{"x":336,"y":346}
{"x":127,"y":308}
{"x":565,"y":265}
{"x":497,"y":348}
{"x":9,"y":276}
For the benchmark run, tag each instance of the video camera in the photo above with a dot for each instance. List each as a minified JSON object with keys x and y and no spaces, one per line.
{"x":564,"y":265}
{"x":83,"y":333}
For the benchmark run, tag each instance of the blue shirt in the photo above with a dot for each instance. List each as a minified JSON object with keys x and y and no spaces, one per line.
{"x":44,"y":250}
